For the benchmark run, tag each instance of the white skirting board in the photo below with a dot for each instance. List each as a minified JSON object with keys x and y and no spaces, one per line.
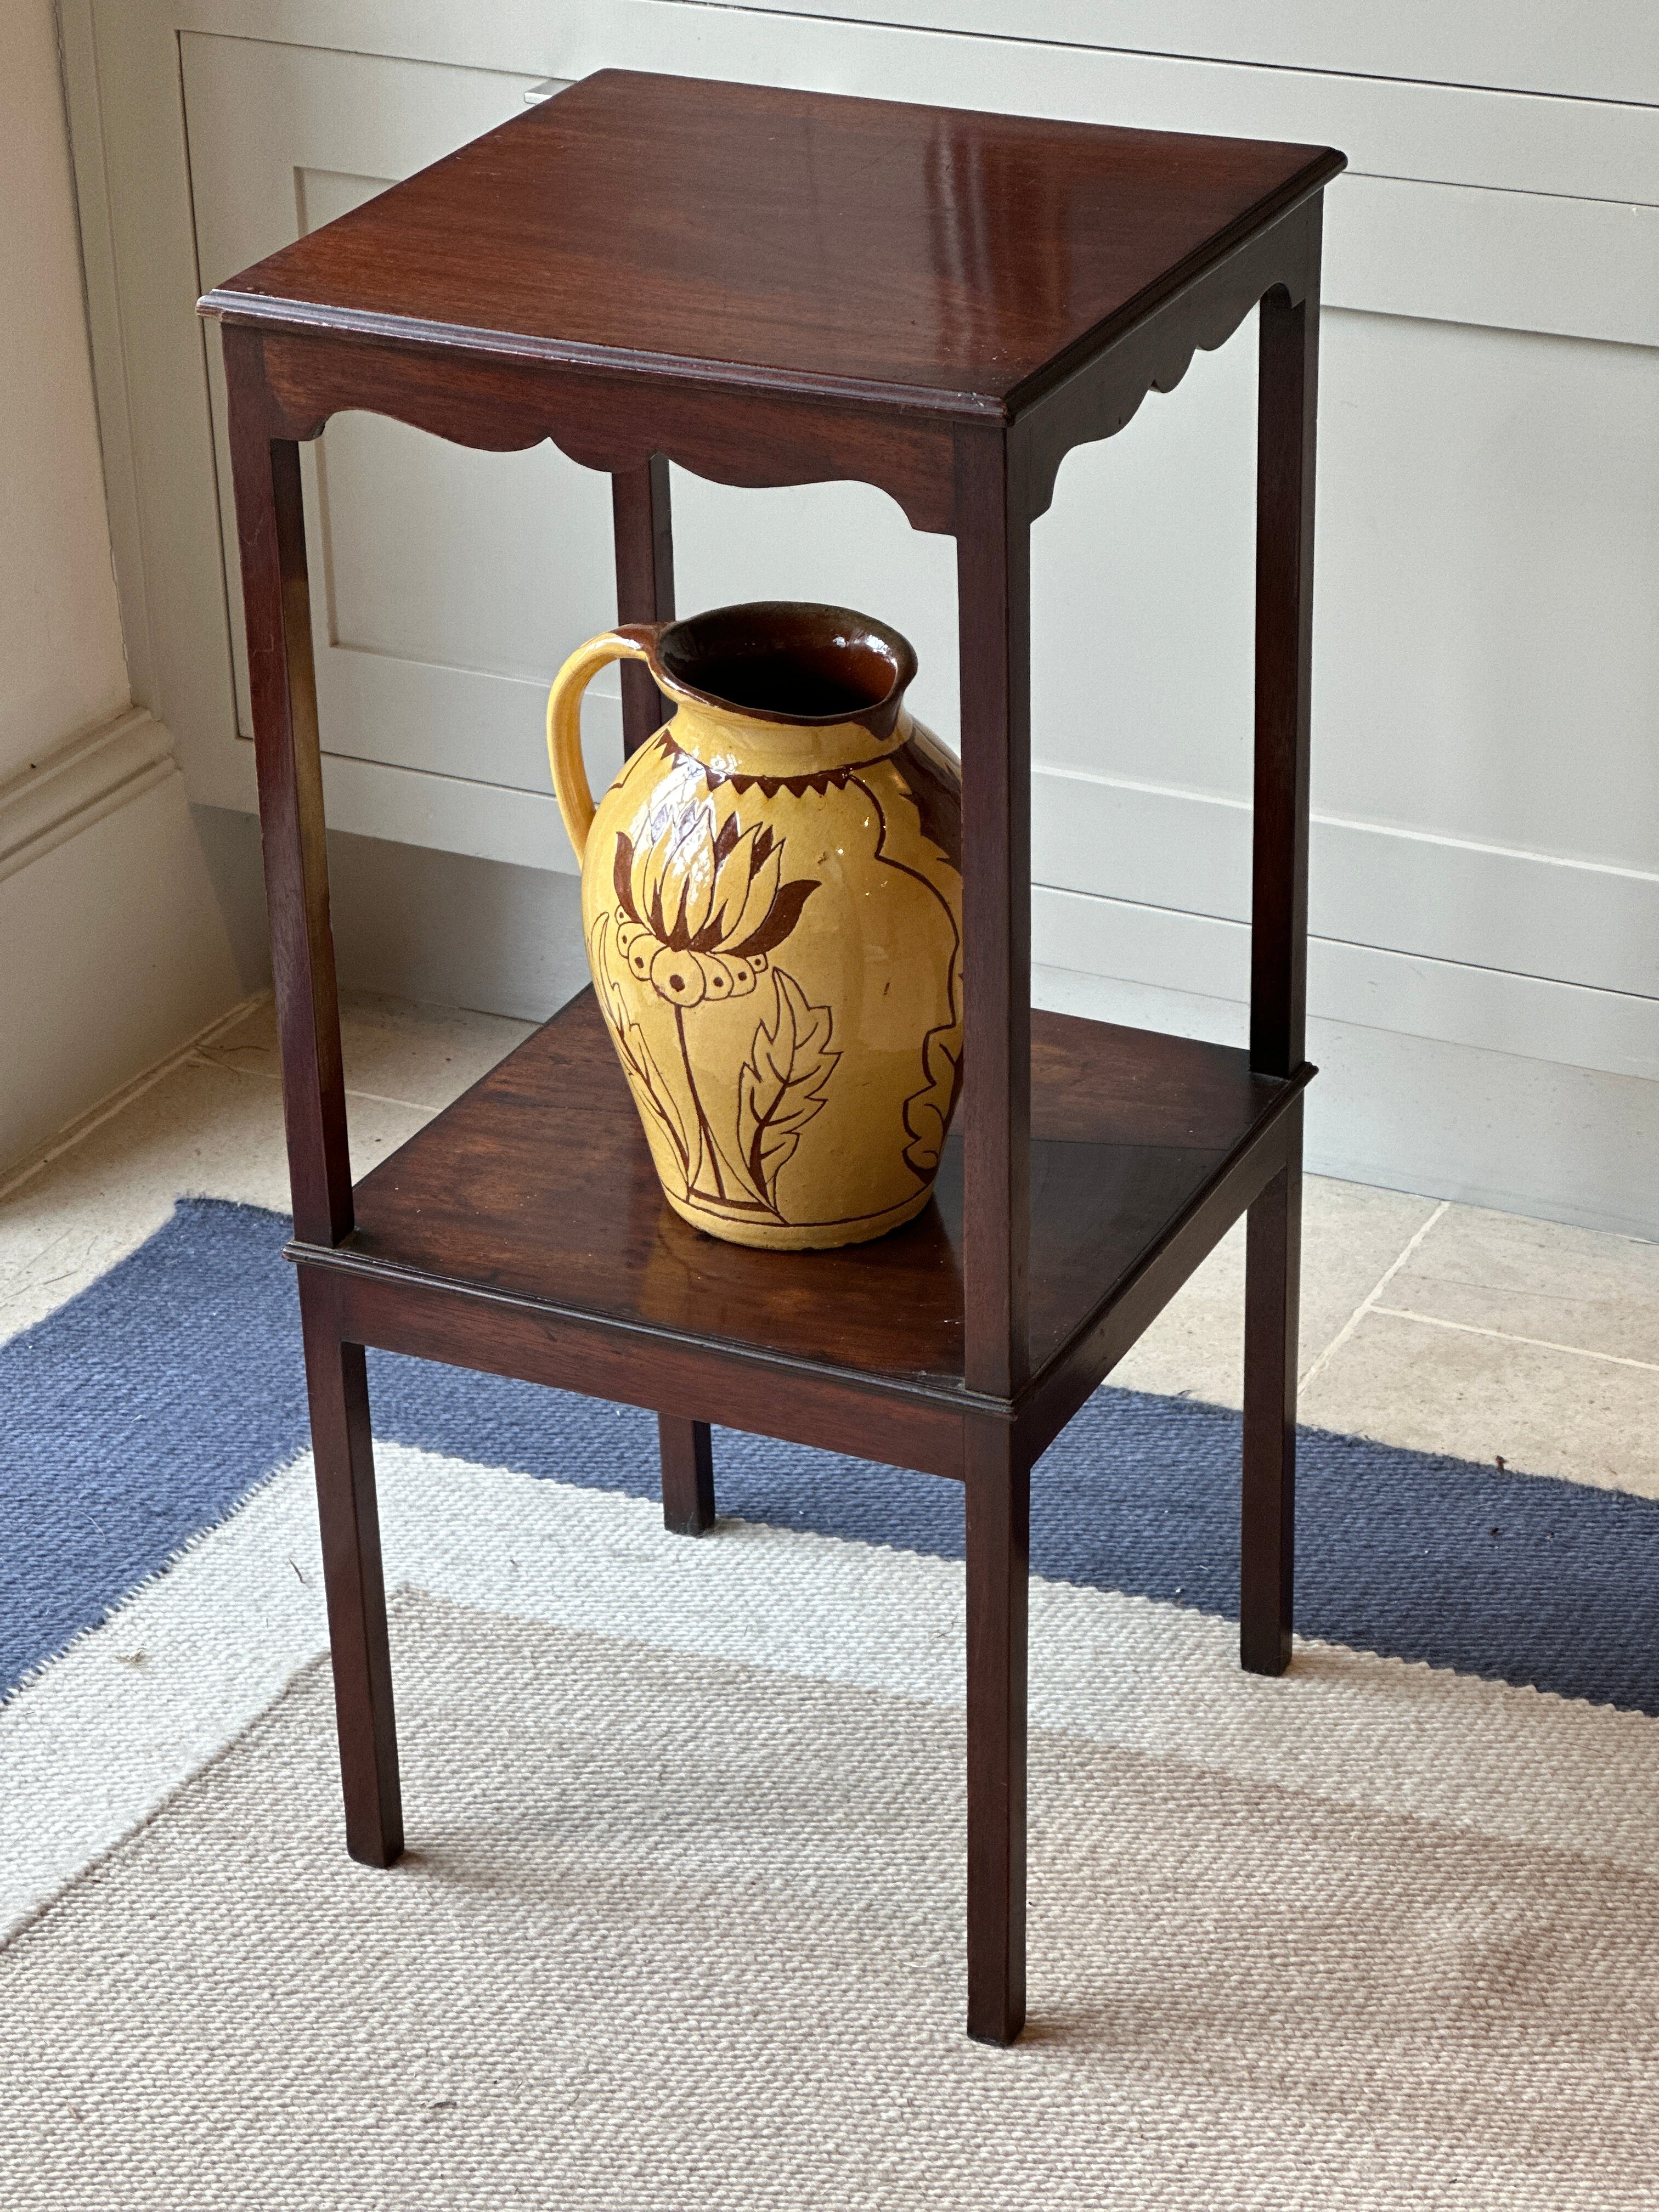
{"x":1469,"y":1083}
{"x":459,"y":932}
{"x":1488,"y":1122}
{"x":116,"y":950}
{"x":1422,"y":1114}
{"x":415,"y":923}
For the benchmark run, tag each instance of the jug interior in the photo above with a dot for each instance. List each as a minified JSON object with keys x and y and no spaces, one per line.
{"x":782,"y":661}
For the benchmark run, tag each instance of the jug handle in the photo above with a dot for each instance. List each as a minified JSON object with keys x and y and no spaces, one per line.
{"x":564,"y":721}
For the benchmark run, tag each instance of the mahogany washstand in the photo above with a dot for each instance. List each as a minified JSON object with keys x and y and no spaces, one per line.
{"x":776,"y":287}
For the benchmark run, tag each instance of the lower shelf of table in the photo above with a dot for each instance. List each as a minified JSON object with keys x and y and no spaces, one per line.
{"x":534,"y":1196}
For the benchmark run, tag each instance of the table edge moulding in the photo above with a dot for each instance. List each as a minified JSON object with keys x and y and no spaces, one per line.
{"x":521,"y":1232}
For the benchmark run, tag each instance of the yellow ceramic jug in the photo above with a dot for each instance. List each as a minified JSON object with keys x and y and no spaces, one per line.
{"x":772,"y":902}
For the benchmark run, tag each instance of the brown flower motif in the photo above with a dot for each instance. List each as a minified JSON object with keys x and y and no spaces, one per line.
{"x":700,"y":907}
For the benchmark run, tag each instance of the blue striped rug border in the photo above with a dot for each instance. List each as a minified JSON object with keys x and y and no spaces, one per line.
{"x":139,"y":1415}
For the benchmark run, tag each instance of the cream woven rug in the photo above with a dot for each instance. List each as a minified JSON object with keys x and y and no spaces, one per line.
{"x":681,"y":1929}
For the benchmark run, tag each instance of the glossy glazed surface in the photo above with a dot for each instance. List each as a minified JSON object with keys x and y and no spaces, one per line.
{"x":772,"y":904}
{"x":829,"y":242}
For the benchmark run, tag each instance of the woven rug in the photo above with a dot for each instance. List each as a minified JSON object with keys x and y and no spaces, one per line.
{"x":681,"y":1923}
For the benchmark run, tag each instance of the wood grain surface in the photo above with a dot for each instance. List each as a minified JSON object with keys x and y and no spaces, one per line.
{"x":790,"y":239}
{"x":537,"y":1184}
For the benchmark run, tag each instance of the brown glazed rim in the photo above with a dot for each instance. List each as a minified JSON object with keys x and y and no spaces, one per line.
{"x":721,"y":634}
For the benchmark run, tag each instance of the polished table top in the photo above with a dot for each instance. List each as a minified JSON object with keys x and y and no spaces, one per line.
{"x":922,"y":257}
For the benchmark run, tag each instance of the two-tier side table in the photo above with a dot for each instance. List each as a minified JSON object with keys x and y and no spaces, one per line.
{"x":778,"y":287}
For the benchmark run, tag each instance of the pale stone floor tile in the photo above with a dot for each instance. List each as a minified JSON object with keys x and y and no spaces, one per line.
{"x":1535,"y":1279}
{"x":202,"y":1131}
{"x":1352,"y":1234}
{"x":411,"y":1055}
{"x":1489,"y":1398}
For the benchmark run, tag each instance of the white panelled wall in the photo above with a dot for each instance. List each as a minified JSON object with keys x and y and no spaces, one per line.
{"x":1485,"y":883}
{"x":112,"y":946}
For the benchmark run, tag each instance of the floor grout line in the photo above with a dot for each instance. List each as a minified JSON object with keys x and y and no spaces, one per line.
{"x":74,"y":1132}
{"x":409,"y":1105}
{"x":1508,"y":1336}
{"x":375,"y":1097}
{"x":1368,"y":1305}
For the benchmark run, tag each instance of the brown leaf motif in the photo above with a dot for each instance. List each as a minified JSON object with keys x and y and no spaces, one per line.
{"x":781,"y":1086}
{"x":928,"y":1113}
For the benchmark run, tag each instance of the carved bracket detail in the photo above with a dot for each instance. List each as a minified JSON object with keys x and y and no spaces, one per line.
{"x":604,"y":419}
{"x":605,"y":422}
{"x":1098,"y":399}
